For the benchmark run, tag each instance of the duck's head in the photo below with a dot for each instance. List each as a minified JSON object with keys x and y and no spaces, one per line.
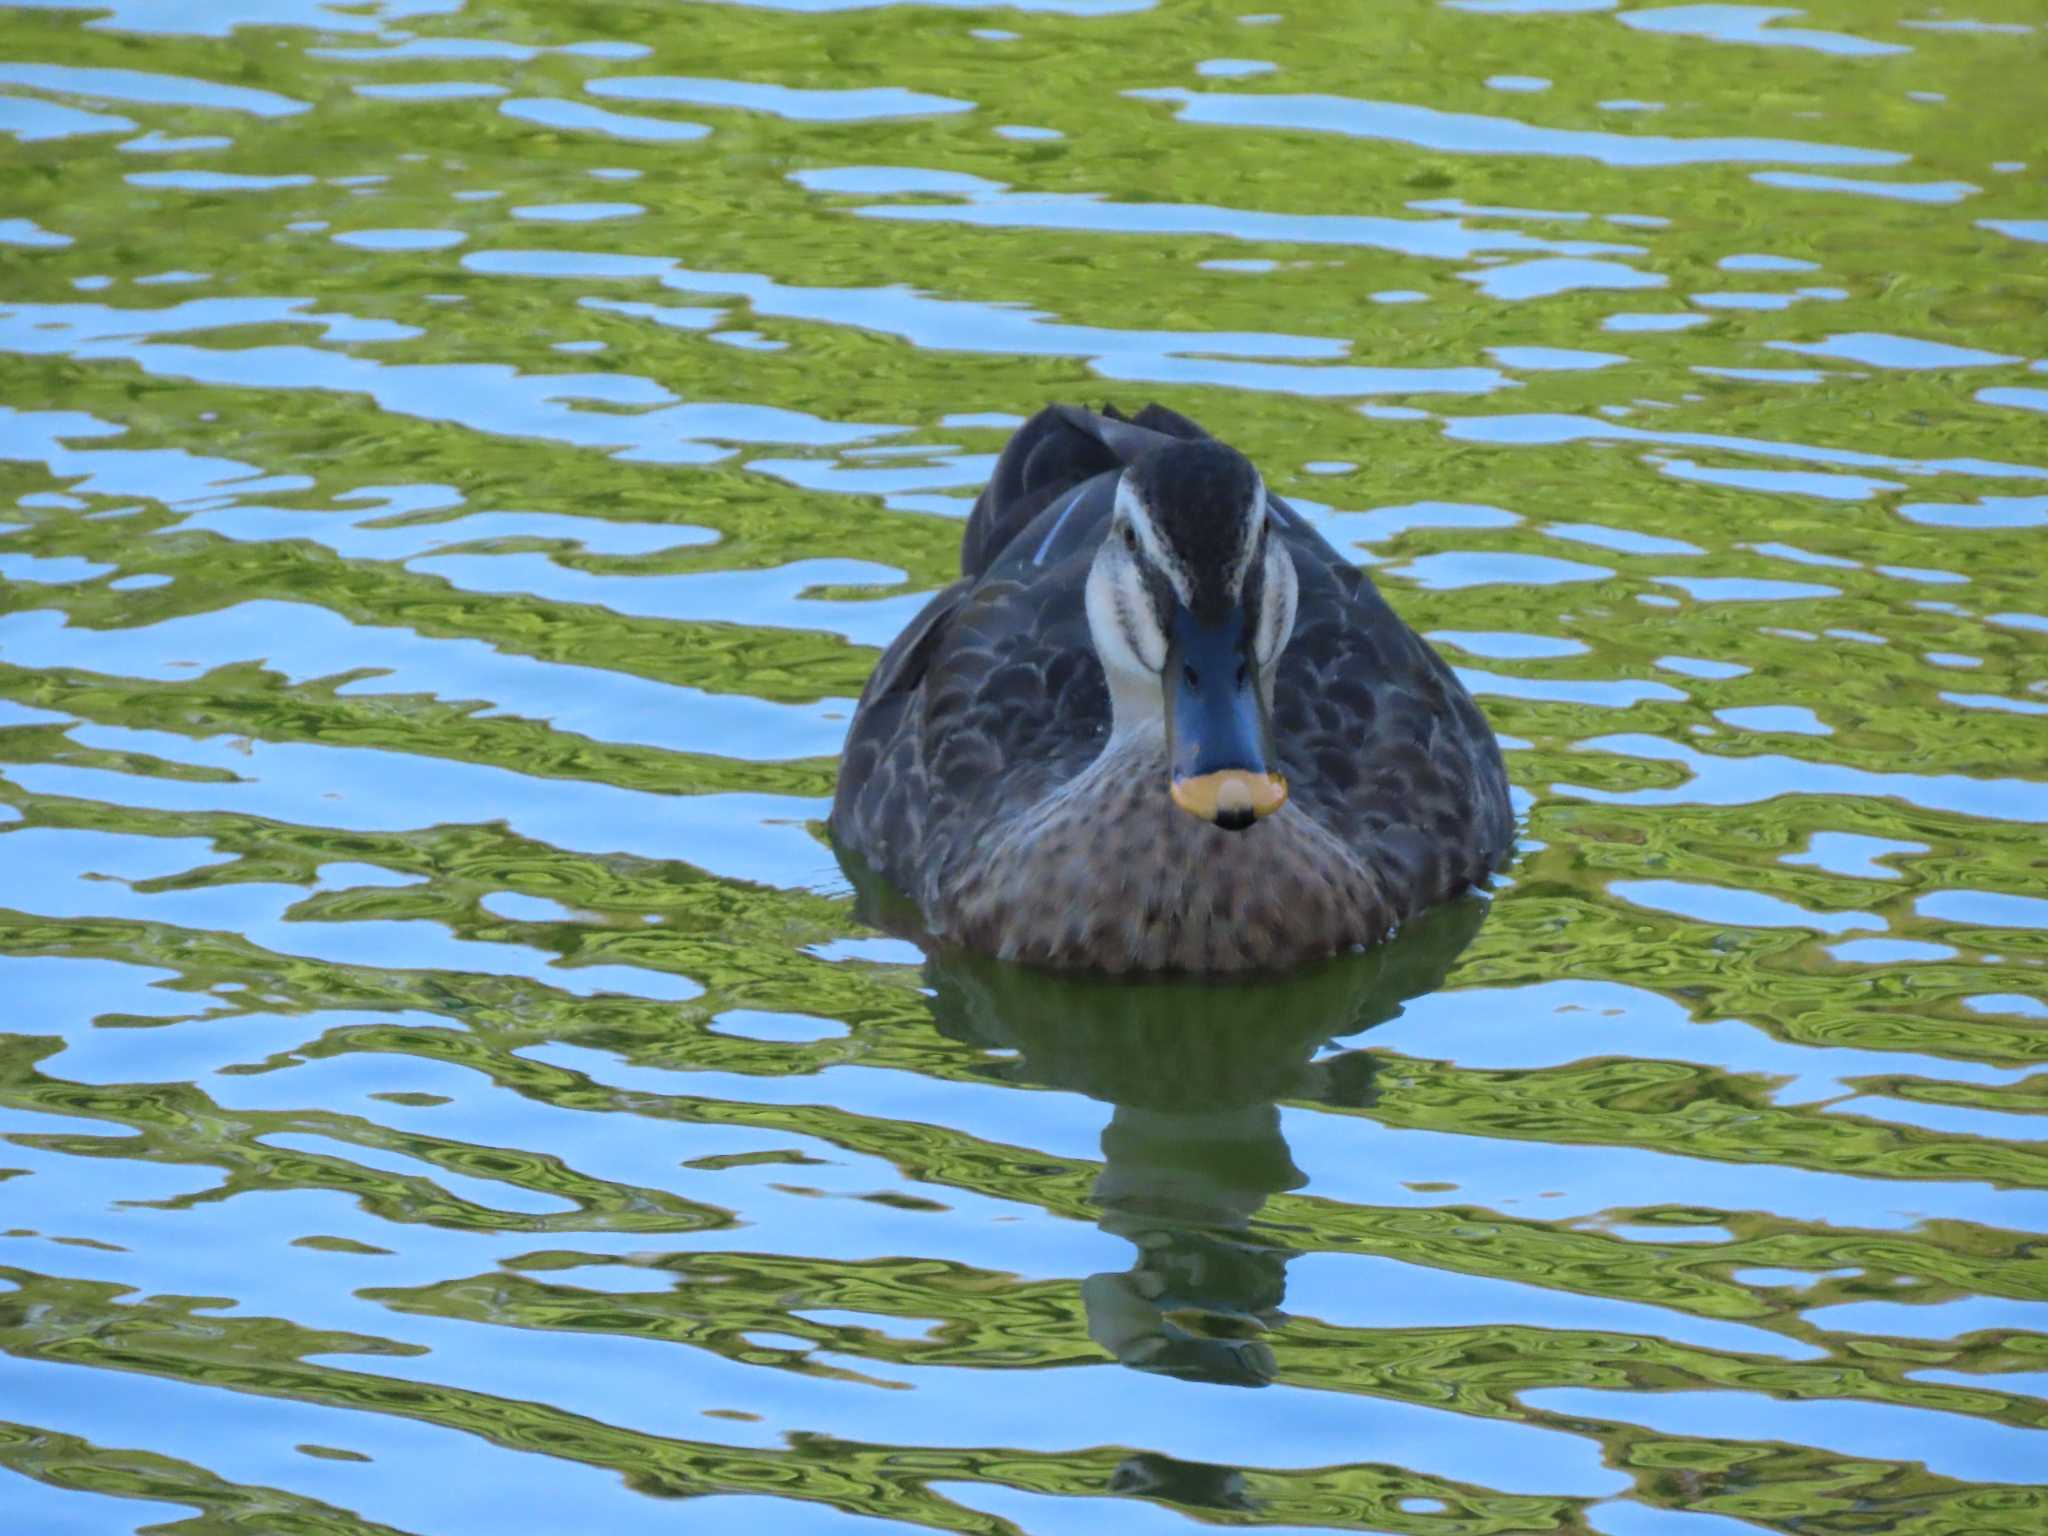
{"x":1190,"y":602}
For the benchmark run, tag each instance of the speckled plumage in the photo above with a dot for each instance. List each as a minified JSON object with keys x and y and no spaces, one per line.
{"x":976,"y":778}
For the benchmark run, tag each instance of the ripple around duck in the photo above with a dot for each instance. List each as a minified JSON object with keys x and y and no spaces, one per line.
{"x":1724,"y":781}
{"x":989,"y":205}
{"x":145,"y":88}
{"x":302,"y":644}
{"x":1464,"y":133}
{"x":363,"y":789}
{"x":1987,"y":1453}
{"x":866,"y":104}
{"x":445,"y":1077}
{"x":1754,"y":25}
{"x":582,"y":117}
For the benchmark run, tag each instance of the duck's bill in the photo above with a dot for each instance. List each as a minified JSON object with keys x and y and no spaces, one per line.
{"x":1232,"y":798}
{"x":1218,"y":740}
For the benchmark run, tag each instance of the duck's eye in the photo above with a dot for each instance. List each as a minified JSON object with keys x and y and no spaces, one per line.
{"x":1130,"y":538}
{"x":1194,"y":678}
{"x":1242,"y":676}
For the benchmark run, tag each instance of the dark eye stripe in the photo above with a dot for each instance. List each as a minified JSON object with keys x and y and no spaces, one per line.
{"x":1161,"y":591}
{"x":1126,"y":622}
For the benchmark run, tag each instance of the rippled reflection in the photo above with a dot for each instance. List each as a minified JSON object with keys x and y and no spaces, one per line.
{"x":458,"y":463}
{"x":1194,"y":1145}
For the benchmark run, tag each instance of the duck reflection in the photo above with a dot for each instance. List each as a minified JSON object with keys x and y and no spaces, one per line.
{"x":1195,"y":1071}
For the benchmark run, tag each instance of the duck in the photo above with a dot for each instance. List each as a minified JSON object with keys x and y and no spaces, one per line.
{"x":1160,"y":725}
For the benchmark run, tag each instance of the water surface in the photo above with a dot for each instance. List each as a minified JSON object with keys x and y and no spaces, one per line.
{"x":458,"y":461}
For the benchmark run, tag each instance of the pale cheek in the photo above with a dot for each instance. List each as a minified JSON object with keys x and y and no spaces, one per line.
{"x":1116,"y":622}
{"x":1276,"y":622}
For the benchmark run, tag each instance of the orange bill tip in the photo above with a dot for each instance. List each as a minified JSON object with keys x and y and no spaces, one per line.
{"x":1231,"y":796}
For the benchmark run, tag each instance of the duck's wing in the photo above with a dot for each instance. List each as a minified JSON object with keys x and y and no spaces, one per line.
{"x":878,"y":806}
{"x":1015,"y":703}
{"x":988,"y":699}
{"x":992,"y":698}
{"x":1380,"y":742}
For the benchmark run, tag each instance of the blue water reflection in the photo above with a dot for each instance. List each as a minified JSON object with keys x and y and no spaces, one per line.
{"x":458,"y":467}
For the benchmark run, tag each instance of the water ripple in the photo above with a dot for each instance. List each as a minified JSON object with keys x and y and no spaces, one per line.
{"x":459,"y":467}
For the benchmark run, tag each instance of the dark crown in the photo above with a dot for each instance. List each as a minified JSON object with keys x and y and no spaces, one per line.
{"x":1201,"y":496}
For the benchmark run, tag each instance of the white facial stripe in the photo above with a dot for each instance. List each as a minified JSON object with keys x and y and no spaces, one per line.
{"x":1276,"y":610}
{"x":1121,"y":624}
{"x":1128,"y":630}
{"x":1134,"y":511}
{"x":1253,"y":523}
{"x":1120,"y":620}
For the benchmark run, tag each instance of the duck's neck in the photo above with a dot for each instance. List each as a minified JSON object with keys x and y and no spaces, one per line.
{"x":1106,"y":873}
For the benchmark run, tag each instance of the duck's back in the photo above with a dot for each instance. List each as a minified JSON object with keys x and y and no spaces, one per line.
{"x":992,"y":694}
{"x":993,"y":698}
